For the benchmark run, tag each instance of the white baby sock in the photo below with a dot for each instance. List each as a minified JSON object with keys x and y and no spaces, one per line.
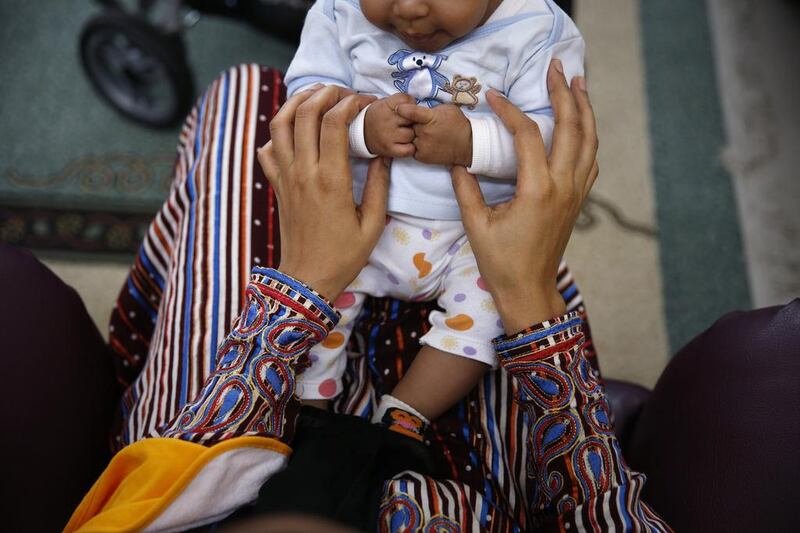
{"x":398,"y":416}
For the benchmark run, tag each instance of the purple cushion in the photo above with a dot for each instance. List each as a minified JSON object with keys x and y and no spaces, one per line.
{"x":718,"y":438}
{"x":58,"y":396}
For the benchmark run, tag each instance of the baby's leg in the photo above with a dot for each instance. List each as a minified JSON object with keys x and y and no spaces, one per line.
{"x":321,"y":381}
{"x":319,"y":404}
{"x":437,"y":380}
{"x":458,"y":349}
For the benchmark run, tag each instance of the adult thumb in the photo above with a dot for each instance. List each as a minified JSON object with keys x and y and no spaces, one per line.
{"x":468,"y":193}
{"x":376,"y":193}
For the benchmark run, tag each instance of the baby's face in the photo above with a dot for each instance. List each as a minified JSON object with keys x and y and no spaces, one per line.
{"x":428,"y":25}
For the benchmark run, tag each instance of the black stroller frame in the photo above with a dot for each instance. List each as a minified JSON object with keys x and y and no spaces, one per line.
{"x":135,"y":57}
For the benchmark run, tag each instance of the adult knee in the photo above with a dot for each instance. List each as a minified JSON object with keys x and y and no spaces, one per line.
{"x":58,"y":394}
{"x":717,"y":438}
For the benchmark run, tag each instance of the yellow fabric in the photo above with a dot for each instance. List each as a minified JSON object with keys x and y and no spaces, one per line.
{"x":145,"y":477}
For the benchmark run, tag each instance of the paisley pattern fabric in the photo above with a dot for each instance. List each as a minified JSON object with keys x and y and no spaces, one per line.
{"x":252,"y":391}
{"x":574,"y":456}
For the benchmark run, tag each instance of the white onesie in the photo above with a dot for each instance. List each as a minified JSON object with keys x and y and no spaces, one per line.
{"x":424,"y":253}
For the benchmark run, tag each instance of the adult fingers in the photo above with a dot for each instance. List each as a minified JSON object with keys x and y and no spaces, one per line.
{"x":281,"y":128}
{"x":344,"y":91}
{"x":269,"y":164}
{"x":587,"y":156}
{"x":307,"y":124}
{"x":334,"y":136}
{"x":374,"y":198}
{"x":532,"y":168}
{"x":593,"y":173}
{"x":567,"y":134}
{"x":415,"y":113}
{"x":469,"y":196}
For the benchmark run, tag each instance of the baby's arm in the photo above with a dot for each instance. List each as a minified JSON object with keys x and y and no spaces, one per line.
{"x":384,"y":132}
{"x":442,"y":134}
{"x":493,"y":151}
{"x":480,"y":142}
{"x":321,"y":58}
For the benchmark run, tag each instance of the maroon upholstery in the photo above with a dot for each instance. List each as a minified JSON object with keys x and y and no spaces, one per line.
{"x":718,"y":438}
{"x":626,"y":401}
{"x":57,"y":399}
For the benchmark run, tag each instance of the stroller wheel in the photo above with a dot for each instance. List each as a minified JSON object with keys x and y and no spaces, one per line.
{"x":137,"y":68}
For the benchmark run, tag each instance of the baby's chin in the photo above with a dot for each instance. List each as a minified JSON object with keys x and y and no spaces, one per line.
{"x":430,"y":44}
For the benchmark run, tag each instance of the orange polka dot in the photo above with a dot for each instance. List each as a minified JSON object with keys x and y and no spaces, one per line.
{"x":460,"y":322}
{"x":423,"y":267}
{"x":333,"y":340}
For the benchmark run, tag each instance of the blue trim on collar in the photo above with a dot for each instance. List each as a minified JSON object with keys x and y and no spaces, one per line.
{"x":303,"y":81}
{"x":490,"y":28}
{"x":558,"y":24}
{"x":547,"y":111}
{"x":484,"y":30}
{"x":329,"y":9}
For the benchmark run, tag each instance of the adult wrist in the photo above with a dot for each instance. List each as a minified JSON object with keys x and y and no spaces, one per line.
{"x":314,"y":305}
{"x":521,"y":308}
{"x":327,"y":287}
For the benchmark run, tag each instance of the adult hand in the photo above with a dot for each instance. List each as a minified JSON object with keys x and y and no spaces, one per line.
{"x":325,"y":237}
{"x":519,"y":244}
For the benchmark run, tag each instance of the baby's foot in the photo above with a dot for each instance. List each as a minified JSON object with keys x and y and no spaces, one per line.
{"x":400,"y":417}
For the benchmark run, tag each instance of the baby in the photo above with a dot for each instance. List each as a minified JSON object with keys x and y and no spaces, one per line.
{"x":430,"y":62}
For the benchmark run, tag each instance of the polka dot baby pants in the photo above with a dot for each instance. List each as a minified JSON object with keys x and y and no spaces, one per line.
{"x":415,"y":259}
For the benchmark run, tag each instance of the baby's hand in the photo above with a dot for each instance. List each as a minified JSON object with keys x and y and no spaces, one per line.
{"x":387,"y":133}
{"x":443,"y":135}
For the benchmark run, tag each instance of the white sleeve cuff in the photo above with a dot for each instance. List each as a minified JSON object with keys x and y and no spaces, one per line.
{"x":358,"y":144}
{"x":481,"y":141}
{"x":493,"y":152}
